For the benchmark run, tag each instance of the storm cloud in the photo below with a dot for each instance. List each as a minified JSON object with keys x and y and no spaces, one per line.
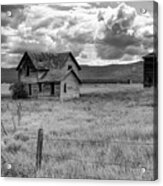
{"x":112,"y":32}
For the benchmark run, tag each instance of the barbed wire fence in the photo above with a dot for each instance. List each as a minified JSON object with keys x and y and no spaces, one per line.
{"x":40,"y":154}
{"x":129,"y":165}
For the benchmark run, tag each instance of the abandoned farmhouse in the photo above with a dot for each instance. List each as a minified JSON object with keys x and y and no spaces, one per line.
{"x":48,"y":74}
{"x":57,"y":75}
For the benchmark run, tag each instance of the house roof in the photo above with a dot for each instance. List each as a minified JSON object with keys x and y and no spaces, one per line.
{"x":46,"y":61}
{"x":52,"y":75}
{"x":152,"y":54}
{"x":73,"y":72}
{"x":57,"y":76}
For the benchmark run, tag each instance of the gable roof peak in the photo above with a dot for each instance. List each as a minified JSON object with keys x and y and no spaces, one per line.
{"x":47,"y":60}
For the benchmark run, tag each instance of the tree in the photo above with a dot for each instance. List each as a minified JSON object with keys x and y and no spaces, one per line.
{"x":18,"y":90}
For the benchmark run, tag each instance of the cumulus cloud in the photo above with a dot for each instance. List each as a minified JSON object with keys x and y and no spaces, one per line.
{"x":12,"y":15}
{"x":123,"y":31}
{"x":45,"y":28}
{"x":10,"y":59}
{"x":3,"y":38}
{"x":93,"y":32}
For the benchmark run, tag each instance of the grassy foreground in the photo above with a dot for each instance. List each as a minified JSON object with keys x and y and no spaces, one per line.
{"x":106,"y":134}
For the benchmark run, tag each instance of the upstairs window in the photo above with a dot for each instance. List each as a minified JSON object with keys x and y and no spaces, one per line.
{"x":27,"y":72}
{"x":69,"y":67}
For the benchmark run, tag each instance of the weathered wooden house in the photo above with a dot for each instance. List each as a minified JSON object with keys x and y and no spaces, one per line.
{"x":150,"y":70}
{"x":48,"y":74}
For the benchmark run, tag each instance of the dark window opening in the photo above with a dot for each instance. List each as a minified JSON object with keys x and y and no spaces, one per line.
{"x":27,"y":73}
{"x":65,"y":88}
{"x":30,"y":89}
{"x":40,"y":87}
{"x":69,"y":67}
{"x":52,"y":88}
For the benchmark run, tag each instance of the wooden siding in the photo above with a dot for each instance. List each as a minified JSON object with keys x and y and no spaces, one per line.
{"x":33,"y":75}
{"x":32,"y":90}
{"x":72,"y":87}
{"x":45,"y":89}
{"x":70,"y":62}
{"x":49,"y":88}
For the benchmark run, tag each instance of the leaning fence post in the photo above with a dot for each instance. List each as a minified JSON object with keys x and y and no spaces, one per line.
{"x":39,"y":149}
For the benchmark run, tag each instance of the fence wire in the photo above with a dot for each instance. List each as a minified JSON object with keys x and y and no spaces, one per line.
{"x":94,"y":141}
{"x":127,"y":165}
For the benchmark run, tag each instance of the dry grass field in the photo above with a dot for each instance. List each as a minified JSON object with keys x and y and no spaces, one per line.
{"x":106,"y":134}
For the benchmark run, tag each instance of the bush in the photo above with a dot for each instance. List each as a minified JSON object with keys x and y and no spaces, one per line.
{"x":21,"y":136}
{"x":13,"y":146}
{"x":18,"y":90}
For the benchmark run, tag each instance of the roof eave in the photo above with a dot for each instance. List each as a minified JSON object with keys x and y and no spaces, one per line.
{"x":17,"y":68}
{"x":25,"y":53}
{"x":50,"y":81}
{"x":79,"y":68}
{"x":74,"y":75}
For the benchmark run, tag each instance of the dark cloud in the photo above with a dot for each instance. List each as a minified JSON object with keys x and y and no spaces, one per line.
{"x":78,"y":37}
{"x":148,"y":42}
{"x":108,"y":52}
{"x":117,"y":40}
{"x":75,"y":48}
{"x":6,"y":8}
{"x":5,"y":20}
{"x":104,"y":4}
{"x":121,"y":34}
{"x":17,"y":15}
{"x":60,"y":7}
{"x":84,"y":56}
{"x":3,"y":38}
{"x":18,"y":18}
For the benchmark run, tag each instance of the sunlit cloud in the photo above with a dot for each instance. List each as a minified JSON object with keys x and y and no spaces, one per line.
{"x":96,"y":34}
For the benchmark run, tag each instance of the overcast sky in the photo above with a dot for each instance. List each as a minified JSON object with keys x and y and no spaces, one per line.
{"x":96,"y":33}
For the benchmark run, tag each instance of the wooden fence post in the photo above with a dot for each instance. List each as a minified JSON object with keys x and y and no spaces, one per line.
{"x":39,"y":149}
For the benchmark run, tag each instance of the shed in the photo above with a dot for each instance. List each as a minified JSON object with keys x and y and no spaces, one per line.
{"x":150,"y":70}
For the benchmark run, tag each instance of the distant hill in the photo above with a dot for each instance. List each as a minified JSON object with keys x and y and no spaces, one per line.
{"x":94,"y":74}
{"x":113,"y":73}
{"x":8,"y":75}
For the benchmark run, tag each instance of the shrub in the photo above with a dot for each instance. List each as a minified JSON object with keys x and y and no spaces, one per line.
{"x":18,"y":90}
{"x":13,"y":146}
{"x":22,"y":166}
{"x":21,"y":136}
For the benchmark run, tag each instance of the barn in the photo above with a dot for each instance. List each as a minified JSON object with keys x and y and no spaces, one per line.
{"x":150,"y":70}
{"x":50,"y":75}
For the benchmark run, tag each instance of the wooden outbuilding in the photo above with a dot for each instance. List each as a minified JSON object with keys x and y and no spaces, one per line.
{"x":48,"y":74}
{"x":150,"y":70}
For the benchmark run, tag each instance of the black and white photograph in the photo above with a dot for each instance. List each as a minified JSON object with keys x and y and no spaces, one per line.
{"x":79,"y":90}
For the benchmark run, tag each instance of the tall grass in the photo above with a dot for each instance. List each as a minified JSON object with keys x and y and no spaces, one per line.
{"x":103,"y":135}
